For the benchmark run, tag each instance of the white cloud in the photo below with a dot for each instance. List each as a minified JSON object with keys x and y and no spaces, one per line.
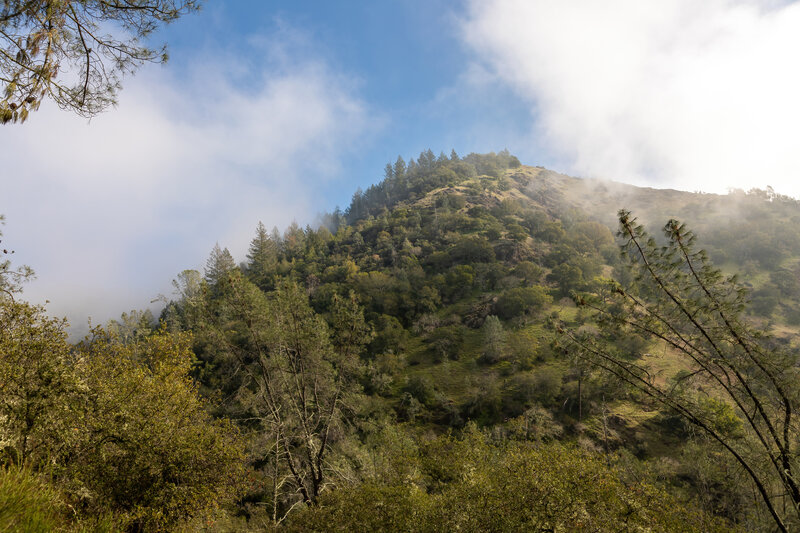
{"x":108,"y":212}
{"x":673,"y":93}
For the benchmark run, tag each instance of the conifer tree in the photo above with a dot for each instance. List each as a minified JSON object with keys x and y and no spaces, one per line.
{"x":301,"y":381}
{"x":738,"y":386}
{"x":399,"y":170}
{"x":219,"y":263}
{"x":75,"y":52}
{"x":261,"y":257}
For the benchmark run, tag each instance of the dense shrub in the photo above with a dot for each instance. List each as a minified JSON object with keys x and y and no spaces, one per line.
{"x":521,"y":300}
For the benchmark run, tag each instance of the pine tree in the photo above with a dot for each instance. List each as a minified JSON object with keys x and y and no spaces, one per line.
{"x":76,"y":53}
{"x":399,"y":168}
{"x":738,"y":386}
{"x":219,"y":263}
{"x":294,"y":239}
{"x":301,"y":382}
{"x":262,"y":257}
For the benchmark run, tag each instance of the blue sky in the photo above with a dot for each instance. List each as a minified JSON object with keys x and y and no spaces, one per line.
{"x":275,"y":111}
{"x":403,"y":60}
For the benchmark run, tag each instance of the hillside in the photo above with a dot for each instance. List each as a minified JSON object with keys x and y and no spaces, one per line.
{"x":463,"y":265}
{"x":469,"y":345}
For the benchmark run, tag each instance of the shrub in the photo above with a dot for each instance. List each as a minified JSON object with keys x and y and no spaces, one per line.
{"x":521,"y":300}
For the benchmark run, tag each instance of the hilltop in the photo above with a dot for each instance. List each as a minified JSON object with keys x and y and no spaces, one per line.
{"x":463,"y":265}
{"x":468,"y":343}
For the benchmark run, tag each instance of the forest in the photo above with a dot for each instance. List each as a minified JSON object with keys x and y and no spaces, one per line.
{"x":472,"y":344}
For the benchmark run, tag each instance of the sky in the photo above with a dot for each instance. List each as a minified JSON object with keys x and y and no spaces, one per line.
{"x":276,"y":111}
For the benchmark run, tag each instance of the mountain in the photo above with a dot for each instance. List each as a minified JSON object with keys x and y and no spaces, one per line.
{"x":459,"y":271}
{"x":466,"y":347}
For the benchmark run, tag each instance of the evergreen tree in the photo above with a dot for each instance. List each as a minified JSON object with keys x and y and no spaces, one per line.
{"x":738,"y":387}
{"x":399,"y":170}
{"x":219,"y":263}
{"x":275,"y":235}
{"x":426,"y":159}
{"x":301,"y":386}
{"x":262,"y":257}
{"x":294,"y":239}
{"x":75,"y":52}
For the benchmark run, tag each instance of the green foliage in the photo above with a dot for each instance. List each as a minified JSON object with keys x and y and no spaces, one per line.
{"x":132,"y":326}
{"x":521,"y":300}
{"x":298,"y":385}
{"x":494,"y":340}
{"x":390,"y":336}
{"x":421,"y":388}
{"x":11,"y":279}
{"x":218,"y":265}
{"x":413,"y":179}
{"x":475,"y":485}
{"x":149,"y":449}
{"x":472,"y":249}
{"x":597,"y":234}
{"x":42,"y":40}
{"x":529,"y":272}
{"x":39,"y":382}
{"x":118,"y":426}
{"x":262,"y":258}
{"x":539,"y":387}
{"x":458,"y":282}
{"x":446,"y":341}
{"x":456,"y":263}
{"x":523,"y":347}
{"x":739,"y":388}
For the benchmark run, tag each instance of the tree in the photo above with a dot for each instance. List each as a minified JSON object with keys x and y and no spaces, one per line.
{"x":738,"y":386}
{"x":301,"y":382}
{"x":38,"y":383}
{"x":117,"y":427}
{"x":133,"y":326}
{"x":219,"y":263}
{"x":11,"y":279}
{"x":399,"y":170}
{"x":145,"y":446}
{"x":567,"y":276}
{"x":262,"y":257}
{"x":494,"y":340}
{"x":515,"y":302}
{"x":476,"y":484}
{"x":62,"y":49}
{"x":528,"y":271}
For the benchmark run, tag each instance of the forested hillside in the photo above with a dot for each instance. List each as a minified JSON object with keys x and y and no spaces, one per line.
{"x":447,"y":353}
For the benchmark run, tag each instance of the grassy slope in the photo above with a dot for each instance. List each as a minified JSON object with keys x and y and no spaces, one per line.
{"x":626,"y":423}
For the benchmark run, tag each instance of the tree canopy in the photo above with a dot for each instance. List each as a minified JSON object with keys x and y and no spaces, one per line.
{"x":76,"y":52}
